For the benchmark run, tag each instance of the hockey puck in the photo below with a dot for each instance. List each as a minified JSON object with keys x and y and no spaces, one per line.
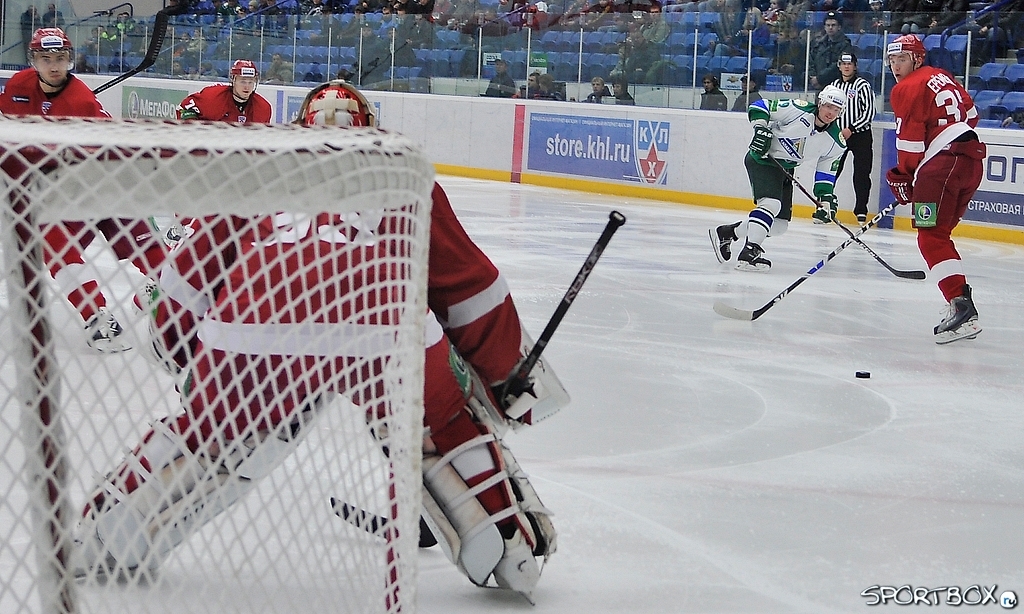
{"x":864,"y":374}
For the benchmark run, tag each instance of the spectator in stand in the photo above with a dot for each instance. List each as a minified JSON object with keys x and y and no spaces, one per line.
{"x":953,"y":12}
{"x":991,"y":37}
{"x":531,"y":88}
{"x":713,"y":99}
{"x":876,"y":21}
{"x":654,"y":28}
{"x":755,"y":31}
{"x":726,"y":25}
{"x":927,"y":12}
{"x":546,"y":88}
{"x":30,"y":22}
{"x":422,"y":7}
{"x":501,"y":85}
{"x":621,"y":90}
{"x":53,"y":18}
{"x":636,"y":56}
{"x":375,"y":58}
{"x":279,"y":71}
{"x":748,"y":96}
{"x":600,"y":90}
{"x":825,"y":52}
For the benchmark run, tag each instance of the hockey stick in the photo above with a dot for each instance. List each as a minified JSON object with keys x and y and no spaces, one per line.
{"x":742,"y":314}
{"x":155,"y":43}
{"x":519,"y":382}
{"x":817,"y":203}
{"x":372,"y":523}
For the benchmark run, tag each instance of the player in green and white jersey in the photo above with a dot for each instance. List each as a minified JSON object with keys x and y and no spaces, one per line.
{"x":784,"y":130}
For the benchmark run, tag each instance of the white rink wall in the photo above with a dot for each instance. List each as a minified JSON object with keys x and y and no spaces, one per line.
{"x":686,"y":156}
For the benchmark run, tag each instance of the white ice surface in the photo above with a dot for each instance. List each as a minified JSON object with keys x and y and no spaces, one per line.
{"x":710,"y":465}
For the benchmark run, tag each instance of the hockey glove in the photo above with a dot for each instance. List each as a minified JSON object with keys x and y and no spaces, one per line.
{"x":901,"y":185}
{"x":829,"y":206}
{"x":761,"y":142}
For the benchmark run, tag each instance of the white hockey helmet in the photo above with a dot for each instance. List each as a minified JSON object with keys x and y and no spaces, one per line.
{"x":832,"y":95}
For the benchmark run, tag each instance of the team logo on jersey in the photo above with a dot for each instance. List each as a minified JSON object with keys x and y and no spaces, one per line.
{"x":46,"y":107}
{"x":241,"y":119}
{"x":650,"y":142}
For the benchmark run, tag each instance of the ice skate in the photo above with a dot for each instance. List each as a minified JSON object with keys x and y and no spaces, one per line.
{"x":722,"y":239}
{"x":862,"y":219}
{"x":752,"y":258}
{"x":104,"y":333}
{"x":961,"y":322}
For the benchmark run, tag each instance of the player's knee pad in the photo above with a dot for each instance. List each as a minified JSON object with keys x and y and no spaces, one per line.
{"x":778,"y":227}
{"x":481,"y":543}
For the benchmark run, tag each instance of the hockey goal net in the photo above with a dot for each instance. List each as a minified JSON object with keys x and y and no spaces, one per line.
{"x":309,"y":305}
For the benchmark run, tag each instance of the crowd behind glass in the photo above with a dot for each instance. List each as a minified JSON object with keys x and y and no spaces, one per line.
{"x":662,"y":54}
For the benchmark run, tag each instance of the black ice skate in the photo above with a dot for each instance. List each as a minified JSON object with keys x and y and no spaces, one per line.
{"x":722,"y":238}
{"x":752,"y":258}
{"x":961,"y":322}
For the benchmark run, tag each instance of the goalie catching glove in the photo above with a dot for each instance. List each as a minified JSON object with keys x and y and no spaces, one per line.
{"x":762,"y":140}
{"x":901,"y":184}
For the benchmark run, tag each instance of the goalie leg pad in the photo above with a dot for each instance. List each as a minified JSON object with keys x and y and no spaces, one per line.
{"x":484,"y":542}
{"x":162,"y":493}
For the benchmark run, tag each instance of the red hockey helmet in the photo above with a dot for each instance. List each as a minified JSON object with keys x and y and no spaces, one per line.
{"x":244,"y":68}
{"x":907,"y":43}
{"x":335,"y":103}
{"x":50,"y":39}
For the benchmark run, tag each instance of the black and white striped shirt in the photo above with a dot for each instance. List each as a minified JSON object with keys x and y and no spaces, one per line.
{"x":860,"y":108}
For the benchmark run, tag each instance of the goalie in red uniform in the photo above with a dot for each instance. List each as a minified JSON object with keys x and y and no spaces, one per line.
{"x":227,"y":282}
{"x":236,"y":102}
{"x":49,"y":89}
{"x":938,"y":169}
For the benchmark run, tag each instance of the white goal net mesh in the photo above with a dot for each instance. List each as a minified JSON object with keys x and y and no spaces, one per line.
{"x":211,"y":332}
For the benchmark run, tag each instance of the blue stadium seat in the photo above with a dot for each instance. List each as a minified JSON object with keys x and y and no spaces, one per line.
{"x":1015,"y":76}
{"x":869,"y":45}
{"x":984,"y":100}
{"x":991,"y":123}
{"x":990,"y":77}
{"x":1011,"y":103}
{"x":736,"y":64}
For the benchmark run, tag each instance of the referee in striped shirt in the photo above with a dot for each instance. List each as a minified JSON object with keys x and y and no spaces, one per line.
{"x":855,"y":124}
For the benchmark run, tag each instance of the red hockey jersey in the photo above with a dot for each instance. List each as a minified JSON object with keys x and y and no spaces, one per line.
{"x":23,"y":96}
{"x":215,"y":103}
{"x":932,"y":109}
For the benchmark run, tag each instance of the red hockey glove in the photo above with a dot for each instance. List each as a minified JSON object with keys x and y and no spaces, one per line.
{"x":902,"y":185}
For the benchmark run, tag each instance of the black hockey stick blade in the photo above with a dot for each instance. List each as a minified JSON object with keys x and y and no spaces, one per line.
{"x":359,"y":518}
{"x":519,"y":382}
{"x":741,"y":314}
{"x":155,"y":43}
{"x":371,"y":523}
{"x":897,"y":272}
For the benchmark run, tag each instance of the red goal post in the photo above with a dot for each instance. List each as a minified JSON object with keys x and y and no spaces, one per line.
{"x":68,"y":414}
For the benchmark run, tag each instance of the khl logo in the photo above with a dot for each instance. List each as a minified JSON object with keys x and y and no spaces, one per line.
{"x":650,"y":142}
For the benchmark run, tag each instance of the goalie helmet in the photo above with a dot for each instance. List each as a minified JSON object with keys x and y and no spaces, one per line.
{"x":907,"y":43}
{"x":335,"y":103}
{"x":244,"y":68}
{"x":834,"y":96}
{"x":46,"y":40}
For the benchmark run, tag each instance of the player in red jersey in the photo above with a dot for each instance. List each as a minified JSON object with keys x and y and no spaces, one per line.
{"x":49,"y":89}
{"x":227,"y":293}
{"x":938,"y":169}
{"x":237,"y":102}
